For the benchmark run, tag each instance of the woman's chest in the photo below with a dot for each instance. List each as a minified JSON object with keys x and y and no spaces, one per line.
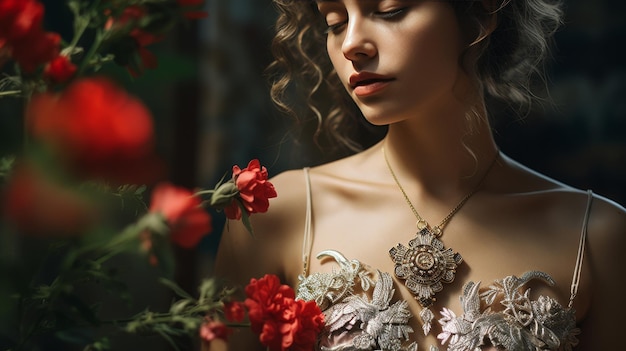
{"x":366,"y":307}
{"x":487,"y":251}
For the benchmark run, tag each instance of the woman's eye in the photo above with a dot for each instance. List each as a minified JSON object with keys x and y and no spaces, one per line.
{"x":389,"y":14}
{"x":334,"y":28}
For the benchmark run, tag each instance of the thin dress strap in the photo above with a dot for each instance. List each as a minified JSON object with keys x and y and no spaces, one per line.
{"x":581,"y":251}
{"x":307,"y":241}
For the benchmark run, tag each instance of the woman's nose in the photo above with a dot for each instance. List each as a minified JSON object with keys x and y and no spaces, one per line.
{"x":357,"y":43}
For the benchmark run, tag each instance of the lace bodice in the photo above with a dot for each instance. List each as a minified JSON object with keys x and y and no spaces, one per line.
{"x":361,"y":314}
{"x":354,"y":321}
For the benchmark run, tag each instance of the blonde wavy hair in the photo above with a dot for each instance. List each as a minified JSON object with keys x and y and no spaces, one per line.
{"x":508,"y":44}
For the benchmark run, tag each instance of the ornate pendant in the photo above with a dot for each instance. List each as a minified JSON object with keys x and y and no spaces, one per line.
{"x":425,"y":265}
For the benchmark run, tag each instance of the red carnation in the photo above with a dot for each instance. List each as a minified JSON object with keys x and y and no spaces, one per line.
{"x":211,"y":330}
{"x":282,"y":322}
{"x":188,"y":221}
{"x":254,"y":190}
{"x":234,"y":311}
{"x":98,"y":129}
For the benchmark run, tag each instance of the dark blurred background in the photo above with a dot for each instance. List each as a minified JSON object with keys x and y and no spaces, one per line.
{"x":211,"y":103}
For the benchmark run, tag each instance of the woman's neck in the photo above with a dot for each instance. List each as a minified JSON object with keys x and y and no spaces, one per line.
{"x":440,"y":156}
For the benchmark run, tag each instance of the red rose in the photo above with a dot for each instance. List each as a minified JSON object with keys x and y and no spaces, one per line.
{"x":188,"y":221}
{"x":98,"y":128}
{"x":282,"y":322}
{"x":254,"y":190}
{"x":211,"y":330}
{"x":37,"y":205}
{"x":234,"y":311}
{"x":59,"y":69}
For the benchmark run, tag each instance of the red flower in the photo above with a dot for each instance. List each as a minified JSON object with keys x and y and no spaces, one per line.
{"x":5,"y":52}
{"x":282,"y":322}
{"x":188,"y":221}
{"x":19,"y":18}
{"x":310,"y":322}
{"x":22,"y":35}
{"x":254,"y":190}
{"x":37,"y":205}
{"x":98,"y":128}
{"x":141,"y":58}
{"x":234,"y":311}
{"x":192,"y":14}
{"x":59,"y":69}
{"x":36,"y":49}
{"x":147,"y":59}
{"x":211,"y":330}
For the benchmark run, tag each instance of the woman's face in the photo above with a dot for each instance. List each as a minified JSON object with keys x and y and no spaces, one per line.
{"x":396,"y":58}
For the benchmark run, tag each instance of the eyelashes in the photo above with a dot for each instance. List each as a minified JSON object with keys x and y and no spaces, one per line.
{"x":334,"y":28}
{"x":386,"y":15}
{"x":390,"y":14}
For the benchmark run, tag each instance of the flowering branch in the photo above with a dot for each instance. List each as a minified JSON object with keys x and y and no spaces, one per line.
{"x":74,"y":199}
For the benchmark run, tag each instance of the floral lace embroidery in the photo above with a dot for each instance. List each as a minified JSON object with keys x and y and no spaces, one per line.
{"x":354,"y":322}
{"x":524,"y":324}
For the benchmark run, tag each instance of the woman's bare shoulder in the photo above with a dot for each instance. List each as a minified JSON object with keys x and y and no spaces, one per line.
{"x":606,"y":217}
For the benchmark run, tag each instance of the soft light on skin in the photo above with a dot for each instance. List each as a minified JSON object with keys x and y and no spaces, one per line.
{"x":415,"y":44}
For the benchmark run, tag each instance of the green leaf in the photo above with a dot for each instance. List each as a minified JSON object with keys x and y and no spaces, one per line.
{"x":245,"y":219}
{"x":171,"y":341}
{"x":175,"y":288}
{"x":179,"y":306}
{"x":207,"y":289}
{"x":103,"y":344}
{"x":6,"y":166}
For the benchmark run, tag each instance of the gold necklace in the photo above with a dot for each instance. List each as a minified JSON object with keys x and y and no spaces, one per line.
{"x":425,"y":263}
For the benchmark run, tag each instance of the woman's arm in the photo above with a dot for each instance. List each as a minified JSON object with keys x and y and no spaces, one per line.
{"x":272,"y":249}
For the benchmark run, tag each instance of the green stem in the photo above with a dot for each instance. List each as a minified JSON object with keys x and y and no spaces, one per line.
{"x":204,"y":192}
{"x":27,"y":93}
{"x":81,"y":24}
{"x":115,"y":246}
{"x":92,"y":51}
{"x":80,"y":28}
{"x":10,"y":92}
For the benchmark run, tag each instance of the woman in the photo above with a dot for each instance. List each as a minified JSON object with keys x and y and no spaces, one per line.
{"x":501,"y":257}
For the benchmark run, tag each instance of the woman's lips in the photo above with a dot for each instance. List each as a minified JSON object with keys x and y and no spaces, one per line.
{"x":367,"y":83}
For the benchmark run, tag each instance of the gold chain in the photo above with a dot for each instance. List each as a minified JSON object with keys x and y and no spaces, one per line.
{"x":421,"y":222}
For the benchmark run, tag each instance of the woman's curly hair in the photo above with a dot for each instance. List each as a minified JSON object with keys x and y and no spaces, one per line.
{"x":509,"y":42}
